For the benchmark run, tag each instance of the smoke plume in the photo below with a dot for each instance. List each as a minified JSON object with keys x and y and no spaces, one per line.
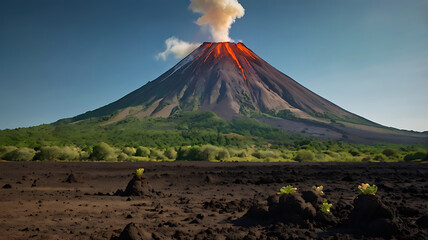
{"x":177,"y":47}
{"x":219,"y":15}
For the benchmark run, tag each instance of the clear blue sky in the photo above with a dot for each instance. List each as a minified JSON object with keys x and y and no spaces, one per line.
{"x":60,"y":58}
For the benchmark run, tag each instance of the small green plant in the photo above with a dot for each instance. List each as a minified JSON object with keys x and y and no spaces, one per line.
{"x":287,"y":190}
{"x":365,"y":188}
{"x":325,"y":206}
{"x":139,"y":172}
{"x":318,"y":190}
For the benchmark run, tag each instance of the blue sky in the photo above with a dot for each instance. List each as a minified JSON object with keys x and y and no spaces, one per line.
{"x":60,"y":58}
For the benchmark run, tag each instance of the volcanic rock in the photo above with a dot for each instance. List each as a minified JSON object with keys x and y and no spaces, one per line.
{"x":312,"y":197}
{"x":71,"y":179}
{"x":138,"y":186}
{"x":133,"y":232}
{"x":373,"y":217}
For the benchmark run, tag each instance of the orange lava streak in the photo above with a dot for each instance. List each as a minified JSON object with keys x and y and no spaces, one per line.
{"x":218,"y":50}
{"x":203,"y":53}
{"x":232,"y":54}
{"x":245,"y":50}
{"x":208,"y":55}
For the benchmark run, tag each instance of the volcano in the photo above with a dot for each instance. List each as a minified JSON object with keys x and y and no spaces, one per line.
{"x":232,"y":81}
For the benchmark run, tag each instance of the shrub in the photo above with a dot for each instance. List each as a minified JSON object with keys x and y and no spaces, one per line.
{"x":58,"y":153}
{"x":223,"y":154}
{"x":20,"y":154}
{"x":68,"y":153}
{"x":49,"y":153}
{"x":379,"y":157}
{"x":142,"y":152}
{"x":354,"y":152}
{"x":84,"y":155}
{"x":194,"y":154}
{"x":304,"y":156}
{"x":139,"y":172}
{"x":389,"y":152}
{"x":415,"y":156}
{"x":122,"y":157}
{"x":243,"y":154}
{"x":365,"y":188}
{"x":287,"y":190}
{"x":6,"y":149}
{"x":318,"y":190}
{"x":155,"y":154}
{"x":129,"y":151}
{"x":265,"y":154}
{"x":325,"y":206}
{"x":171,"y":153}
{"x":209,"y":152}
{"x":103,"y":151}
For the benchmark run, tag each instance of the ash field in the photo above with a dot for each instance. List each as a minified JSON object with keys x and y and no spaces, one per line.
{"x":205,"y":200}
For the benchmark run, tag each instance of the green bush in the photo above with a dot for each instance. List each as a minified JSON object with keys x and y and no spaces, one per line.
{"x":262,"y":154}
{"x":142,"y":152}
{"x":103,"y":151}
{"x":69,"y":153}
{"x":304,"y":156}
{"x":158,"y":155}
{"x":20,"y":154}
{"x":171,"y":153}
{"x":209,"y":152}
{"x":84,"y":155}
{"x":122,"y":157}
{"x":379,"y":157}
{"x":354,"y":152}
{"x":223,"y":154}
{"x":243,"y":154}
{"x":389,"y":152}
{"x":194,"y":154}
{"x":58,"y":153}
{"x":129,"y":151}
{"x":415,"y":156}
{"x":6,"y":149}
{"x":48,"y":153}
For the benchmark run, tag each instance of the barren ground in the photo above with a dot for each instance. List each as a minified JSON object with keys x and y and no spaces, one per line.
{"x":199,"y":200}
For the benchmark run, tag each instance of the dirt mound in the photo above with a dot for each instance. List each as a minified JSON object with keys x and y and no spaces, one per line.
{"x":133,"y":232}
{"x":138,"y":186}
{"x":72,"y":179}
{"x":373,"y":217}
{"x":288,"y":208}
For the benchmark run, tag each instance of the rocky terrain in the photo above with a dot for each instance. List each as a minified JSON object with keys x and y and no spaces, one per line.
{"x":204,"y":200}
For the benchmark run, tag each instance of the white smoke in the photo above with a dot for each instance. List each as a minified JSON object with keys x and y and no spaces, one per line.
{"x":177,"y":47}
{"x":219,"y":15}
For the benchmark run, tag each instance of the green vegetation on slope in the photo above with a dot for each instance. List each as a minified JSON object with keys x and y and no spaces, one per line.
{"x":185,"y":136}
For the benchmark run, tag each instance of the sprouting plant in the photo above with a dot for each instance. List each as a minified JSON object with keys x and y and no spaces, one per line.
{"x":365,"y":188}
{"x":318,"y":190}
{"x":139,"y":172}
{"x":325,"y":206}
{"x":287,"y":190}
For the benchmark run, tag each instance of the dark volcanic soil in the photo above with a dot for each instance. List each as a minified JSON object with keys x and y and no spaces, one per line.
{"x":202,"y":200}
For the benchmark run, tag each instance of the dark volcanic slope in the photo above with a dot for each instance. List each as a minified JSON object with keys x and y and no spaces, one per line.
{"x":232,"y":81}
{"x":226,"y":78}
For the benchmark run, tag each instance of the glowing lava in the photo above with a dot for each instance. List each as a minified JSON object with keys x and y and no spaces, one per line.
{"x":237,"y":53}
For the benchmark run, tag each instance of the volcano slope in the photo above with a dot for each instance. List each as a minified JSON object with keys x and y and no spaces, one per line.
{"x":197,"y":200}
{"x":232,"y":81}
